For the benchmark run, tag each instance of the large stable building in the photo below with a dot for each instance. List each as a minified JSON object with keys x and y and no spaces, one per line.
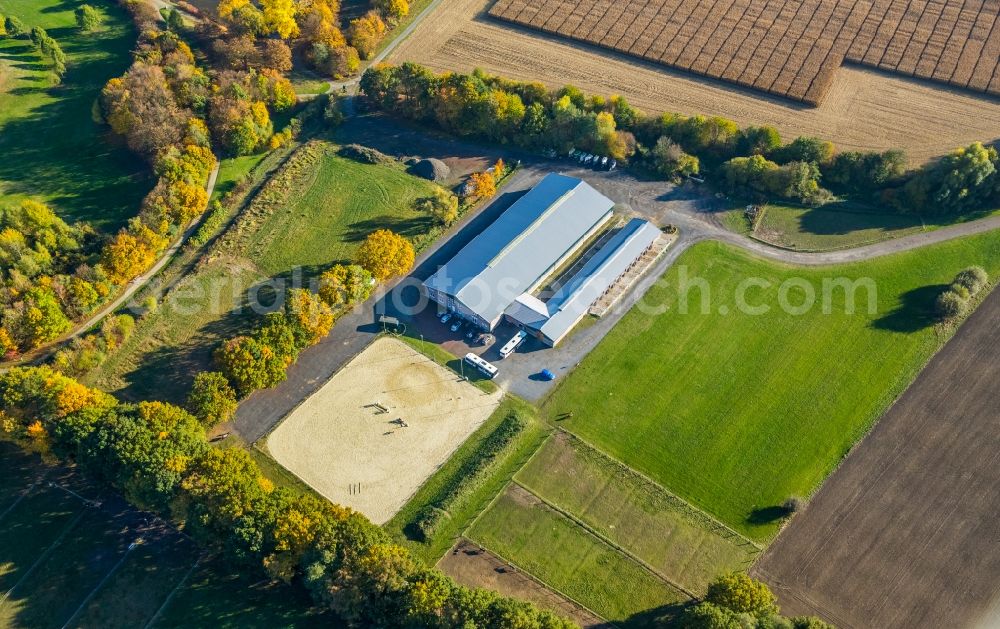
{"x":499,"y":273}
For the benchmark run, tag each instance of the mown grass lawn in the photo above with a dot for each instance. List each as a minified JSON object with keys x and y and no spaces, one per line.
{"x":52,"y":146}
{"x":566,"y":557}
{"x":829,"y":227}
{"x":681,"y":543}
{"x":736,"y":412}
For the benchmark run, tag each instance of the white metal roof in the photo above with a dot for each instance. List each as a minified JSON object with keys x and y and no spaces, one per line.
{"x":514,"y":253}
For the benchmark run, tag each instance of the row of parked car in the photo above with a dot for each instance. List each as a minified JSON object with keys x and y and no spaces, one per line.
{"x":597,"y":162}
{"x":456,"y":324}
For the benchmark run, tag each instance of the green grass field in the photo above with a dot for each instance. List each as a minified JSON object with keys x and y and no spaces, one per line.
{"x":735,"y":412}
{"x":679,"y":542}
{"x":569,"y":559}
{"x":838,"y":225}
{"x":52,"y":147}
{"x":470,"y":505}
{"x":318,"y":216}
{"x":66,"y":564}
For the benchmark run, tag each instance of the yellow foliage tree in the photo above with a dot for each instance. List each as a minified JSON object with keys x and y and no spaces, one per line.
{"x":481,"y":186}
{"x":386,"y":254}
{"x":312,"y":313}
{"x":279,"y":17}
{"x":366,"y":32}
{"x":131,"y":252}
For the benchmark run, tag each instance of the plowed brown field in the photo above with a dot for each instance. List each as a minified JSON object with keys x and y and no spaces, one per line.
{"x":863,"y":109}
{"x":790,"y":48}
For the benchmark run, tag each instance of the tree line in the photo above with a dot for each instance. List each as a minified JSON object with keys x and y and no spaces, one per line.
{"x":751,"y":161}
{"x":157,"y":456}
{"x":310,"y":28}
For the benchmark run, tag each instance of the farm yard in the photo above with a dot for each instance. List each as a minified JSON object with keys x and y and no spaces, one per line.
{"x":863,"y":109}
{"x":790,"y":49}
{"x":51,"y":147}
{"x":904,"y":533}
{"x":734,"y":412}
{"x":371,"y":436}
{"x":68,"y":564}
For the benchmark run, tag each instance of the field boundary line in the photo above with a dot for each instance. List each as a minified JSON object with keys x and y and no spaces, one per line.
{"x":170,"y":597}
{"x":45,"y":555}
{"x":537,"y":580}
{"x":614,"y":545}
{"x":645,"y":477}
{"x":107,"y":576}
{"x":24,"y":493}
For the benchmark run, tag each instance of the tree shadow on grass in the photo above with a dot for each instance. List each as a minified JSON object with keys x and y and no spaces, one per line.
{"x":54,"y":149}
{"x":663,"y":617}
{"x":914,"y":312}
{"x":767,"y":515}
{"x":409,"y":227}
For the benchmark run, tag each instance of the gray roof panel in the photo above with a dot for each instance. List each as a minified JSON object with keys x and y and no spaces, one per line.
{"x":514,"y":253}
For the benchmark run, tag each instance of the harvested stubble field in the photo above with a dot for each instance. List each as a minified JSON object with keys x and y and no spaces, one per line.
{"x":863,"y":108}
{"x":336,"y":438}
{"x":791,"y":48}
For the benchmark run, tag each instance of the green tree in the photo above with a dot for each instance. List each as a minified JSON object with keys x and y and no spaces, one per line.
{"x":442,"y":205}
{"x":249,"y":364}
{"x":344,"y":285}
{"x":88,"y":19}
{"x":670,"y":160}
{"x":741,"y":593}
{"x":212,"y":400}
{"x":15,"y":27}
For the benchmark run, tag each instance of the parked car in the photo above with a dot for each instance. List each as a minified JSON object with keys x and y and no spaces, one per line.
{"x":446,"y":317}
{"x":604,"y":162}
{"x":455,"y":327}
{"x":547,"y":375}
{"x":471,"y":334}
{"x":590,"y":158}
{"x":584,"y":157}
{"x":613,"y":165}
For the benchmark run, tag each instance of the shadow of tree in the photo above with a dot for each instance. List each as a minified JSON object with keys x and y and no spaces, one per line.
{"x":914,"y":312}
{"x":52,"y":146}
{"x":767,"y":515}
{"x":663,"y":617}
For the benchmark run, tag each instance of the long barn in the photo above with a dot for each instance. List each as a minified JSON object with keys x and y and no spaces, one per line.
{"x":500,"y":273}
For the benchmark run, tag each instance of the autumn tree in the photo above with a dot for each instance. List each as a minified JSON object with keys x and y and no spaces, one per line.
{"x":212,"y":400}
{"x":279,"y":18}
{"x":393,"y":10}
{"x":310,"y":313}
{"x":344,"y":285}
{"x":366,"y":32}
{"x":385,"y":254}
{"x":131,"y":252}
{"x":480,"y":186}
{"x":442,"y":205}
{"x":670,"y":159}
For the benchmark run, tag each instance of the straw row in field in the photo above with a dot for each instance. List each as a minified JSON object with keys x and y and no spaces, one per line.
{"x":791,"y":48}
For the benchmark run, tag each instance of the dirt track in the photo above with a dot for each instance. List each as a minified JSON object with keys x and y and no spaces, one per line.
{"x":905,"y":533}
{"x":473,"y":566}
{"x":863,"y":109}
